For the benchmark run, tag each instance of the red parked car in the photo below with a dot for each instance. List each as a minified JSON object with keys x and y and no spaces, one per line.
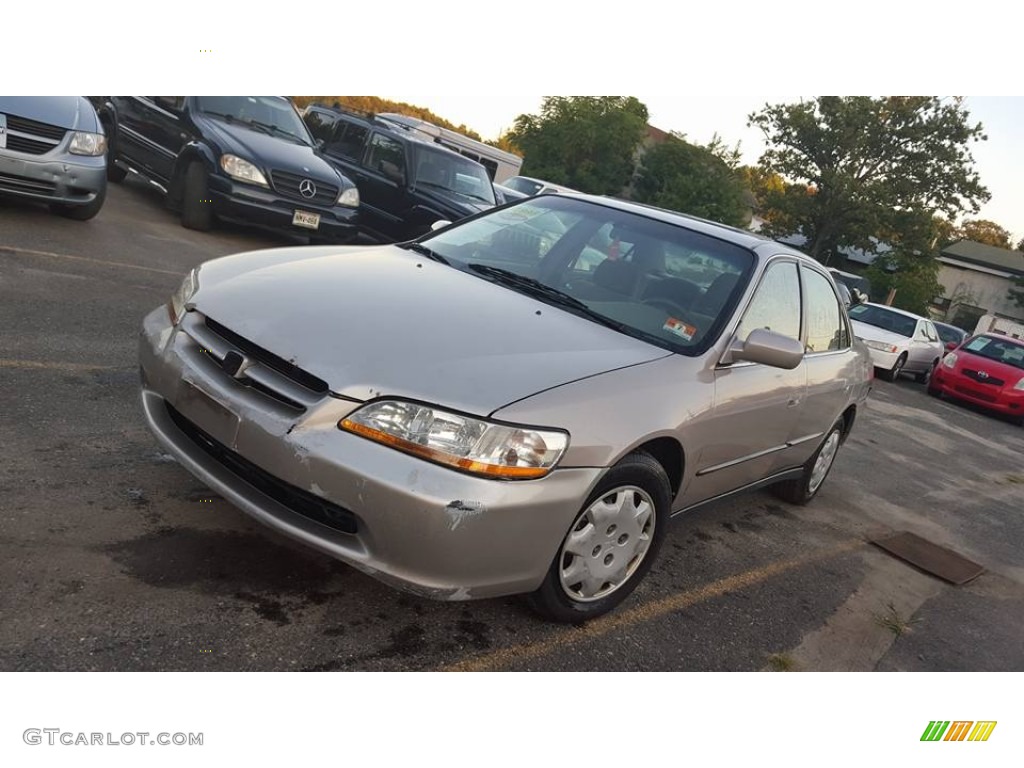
{"x":987,"y":370}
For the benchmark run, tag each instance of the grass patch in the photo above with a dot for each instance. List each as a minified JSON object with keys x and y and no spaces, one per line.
{"x":781,"y":662}
{"x":895,"y":623}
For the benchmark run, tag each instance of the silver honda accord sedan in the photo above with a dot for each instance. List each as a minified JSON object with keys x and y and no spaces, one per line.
{"x":517,"y":403}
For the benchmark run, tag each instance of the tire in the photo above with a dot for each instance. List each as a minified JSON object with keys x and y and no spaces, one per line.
{"x":617,"y":533}
{"x":925,"y":376}
{"x":804,"y":488}
{"x":195,"y":213}
{"x":82,"y":212}
{"x":893,"y":373}
{"x":115,"y":173}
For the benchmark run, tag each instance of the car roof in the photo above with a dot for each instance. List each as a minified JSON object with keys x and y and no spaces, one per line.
{"x":948,"y":325}
{"x":388,"y":126}
{"x":733,"y":235}
{"x":897,"y":311}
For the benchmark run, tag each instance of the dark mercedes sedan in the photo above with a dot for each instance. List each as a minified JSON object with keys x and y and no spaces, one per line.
{"x":247,"y":159}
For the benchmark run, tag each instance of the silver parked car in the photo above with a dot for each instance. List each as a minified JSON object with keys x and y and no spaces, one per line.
{"x":900,"y":341}
{"x":516,"y":403}
{"x":53,"y":150}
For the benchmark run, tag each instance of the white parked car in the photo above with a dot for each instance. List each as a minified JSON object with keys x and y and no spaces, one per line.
{"x":899,"y":341}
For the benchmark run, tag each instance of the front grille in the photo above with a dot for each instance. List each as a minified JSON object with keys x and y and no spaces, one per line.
{"x":24,"y":125}
{"x":303,"y":378}
{"x":28,"y":146}
{"x":301,"y":502}
{"x":12,"y":183}
{"x":983,"y":379}
{"x":288,"y":184}
{"x":976,"y":395}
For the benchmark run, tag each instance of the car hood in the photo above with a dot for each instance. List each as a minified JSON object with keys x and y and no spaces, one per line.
{"x":874,"y":333}
{"x":382,"y":321}
{"x":72,"y":112}
{"x":266,"y":151}
{"x":466,"y":206}
{"x":1008,"y":373}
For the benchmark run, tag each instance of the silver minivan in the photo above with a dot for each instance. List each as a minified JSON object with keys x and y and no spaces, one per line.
{"x":516,"y":403}
{"x":53,"y":150}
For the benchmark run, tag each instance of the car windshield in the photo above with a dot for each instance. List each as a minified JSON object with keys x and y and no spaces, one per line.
{"x":886,"y":319}
{"x":1000,"y":350}
{"x":445,"y":170}
{"x":524,"y":185}
{"x":949,"y":334}
{"x":653,"y":280}
{"x":268,"y":114}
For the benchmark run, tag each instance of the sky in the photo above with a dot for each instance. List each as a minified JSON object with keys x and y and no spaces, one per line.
{"x":999,"y":160}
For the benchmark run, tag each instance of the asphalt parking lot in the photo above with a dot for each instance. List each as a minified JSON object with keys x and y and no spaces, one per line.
{"x":112,"y":557}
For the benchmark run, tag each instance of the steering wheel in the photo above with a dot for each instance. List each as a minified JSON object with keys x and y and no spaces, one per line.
{"x":673,"y":309}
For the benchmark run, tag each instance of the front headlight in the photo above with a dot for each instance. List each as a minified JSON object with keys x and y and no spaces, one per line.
{"x":1019,"y":386}
{"x":881,"y":346}
{"x":462,"y":442}
{"x":177,"y":304}
{"x":949,"y":361}
{"x":349,"y":197}
{"x":84,"y":143}
{"x":243,"y":170}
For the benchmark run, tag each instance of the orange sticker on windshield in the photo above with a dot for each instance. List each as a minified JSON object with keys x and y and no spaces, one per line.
{"x":679,"y":328}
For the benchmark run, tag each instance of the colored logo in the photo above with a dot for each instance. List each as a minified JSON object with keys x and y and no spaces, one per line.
{"x":958,"y":730}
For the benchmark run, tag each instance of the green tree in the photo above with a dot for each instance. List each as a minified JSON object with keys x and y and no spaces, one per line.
{"x":987,"y":232}
{"x":855,"y":165}
{"x":915,"y":280}
{"x":693,"y":179}
{"x":584,"y":142}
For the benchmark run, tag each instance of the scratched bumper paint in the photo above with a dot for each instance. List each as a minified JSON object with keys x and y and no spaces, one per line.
{"x":422,"y":527}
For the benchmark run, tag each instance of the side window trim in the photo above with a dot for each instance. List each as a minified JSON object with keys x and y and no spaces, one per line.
{"x":741,"y":313}
{"x":843,"y":318}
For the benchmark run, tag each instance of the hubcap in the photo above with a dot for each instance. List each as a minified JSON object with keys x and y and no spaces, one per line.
{"x":607,"y":544}
{"x":824,"y":461}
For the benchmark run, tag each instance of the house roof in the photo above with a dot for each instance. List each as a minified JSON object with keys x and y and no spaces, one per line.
{"x":986,"y":256}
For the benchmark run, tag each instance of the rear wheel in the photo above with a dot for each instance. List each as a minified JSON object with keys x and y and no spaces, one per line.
{"x":611,"y":544}
{"x":804,"y":488}
{"x":893,"y":373}
{"x":925,"y":376}
{"x":196,"y":208}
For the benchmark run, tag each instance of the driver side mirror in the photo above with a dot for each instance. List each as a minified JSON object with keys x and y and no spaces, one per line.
{"x":951,"y":345}
{"x":857,"y":296}
{"x":767,"y":348}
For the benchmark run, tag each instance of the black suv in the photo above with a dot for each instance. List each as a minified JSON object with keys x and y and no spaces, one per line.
{"x":406,"y":182}
{"x":243,"y":158}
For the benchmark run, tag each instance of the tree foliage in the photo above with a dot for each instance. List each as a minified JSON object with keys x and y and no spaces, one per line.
{"x":987,"y":232}
{"x":375,"y":104}
{"x":915,"y":280}
{"x":584,"y":142}
{"x":855,"y":165}
{"x":693,"y":179}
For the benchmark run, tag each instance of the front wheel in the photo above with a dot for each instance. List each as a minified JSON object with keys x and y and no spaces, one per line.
{"x":804,"y":488}
{"x":82,"y":212}
{"x":925,"y":376}
{"x":893,"y":373}
{"x":611,"y":544}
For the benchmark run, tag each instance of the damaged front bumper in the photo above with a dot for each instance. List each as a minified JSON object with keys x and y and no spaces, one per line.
{"x":410,"y":523}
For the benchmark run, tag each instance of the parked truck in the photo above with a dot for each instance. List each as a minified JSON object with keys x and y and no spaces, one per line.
{"x":998,"y":324}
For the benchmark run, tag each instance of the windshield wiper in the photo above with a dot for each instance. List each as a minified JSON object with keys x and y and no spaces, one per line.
{"x":533,"y":287}
{"x":275,"y":130}
{"x":422,"y":249}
